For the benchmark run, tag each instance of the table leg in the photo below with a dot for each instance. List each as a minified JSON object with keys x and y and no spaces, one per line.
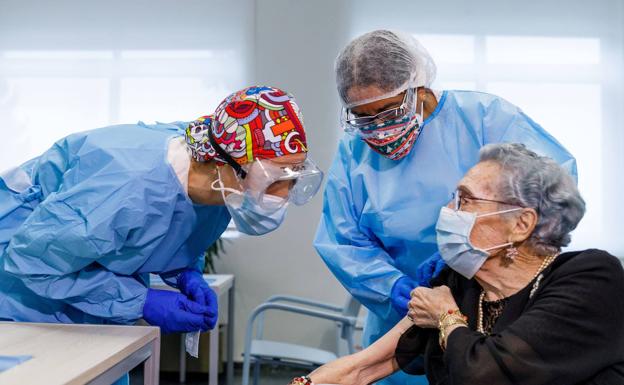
{"x":151,"y":367}
{"x":230,"y":336}
{"x":182,"y":377}
{"x":213,"y":366}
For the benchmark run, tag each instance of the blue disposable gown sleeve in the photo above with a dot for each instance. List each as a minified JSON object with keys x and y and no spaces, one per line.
{"x":504,"y":122}
{"x":201,"y":262}
{"x":171,"y":277}
{"x":356,"y":258}
{"x":55,"y":252}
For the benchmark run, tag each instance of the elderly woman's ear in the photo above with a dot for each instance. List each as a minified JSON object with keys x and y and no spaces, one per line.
{"x":523,"y":225}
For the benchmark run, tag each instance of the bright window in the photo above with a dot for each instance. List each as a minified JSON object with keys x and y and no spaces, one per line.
{"x":36,"y":111}
{"x":46,"y":94}
{"x":542,"y":50}
{"x":555,"y":80}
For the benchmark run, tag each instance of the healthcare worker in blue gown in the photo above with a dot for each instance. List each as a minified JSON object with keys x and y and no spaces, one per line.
{"x":405,"y":149}
{"x":82,"y":225}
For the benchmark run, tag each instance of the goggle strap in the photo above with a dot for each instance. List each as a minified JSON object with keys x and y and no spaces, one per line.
{"x":225,"y":156}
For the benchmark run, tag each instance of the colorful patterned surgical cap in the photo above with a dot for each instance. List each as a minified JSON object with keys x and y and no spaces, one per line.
{"x":256,"y":122}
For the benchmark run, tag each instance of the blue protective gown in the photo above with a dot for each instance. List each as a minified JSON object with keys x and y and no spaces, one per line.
{"x":83,"y":224}
{"x":379,"y":215}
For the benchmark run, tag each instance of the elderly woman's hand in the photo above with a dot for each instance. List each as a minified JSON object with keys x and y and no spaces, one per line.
{"x":426,"y":305}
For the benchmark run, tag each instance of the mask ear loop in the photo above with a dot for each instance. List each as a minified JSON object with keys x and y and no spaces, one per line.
{"x":499,"y":246}
{"x":221,"y":187}
{"x":500,"y":212}
{"x":514,"y":252}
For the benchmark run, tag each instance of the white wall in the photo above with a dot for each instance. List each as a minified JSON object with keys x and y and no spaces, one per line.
{"x":296,"y":43}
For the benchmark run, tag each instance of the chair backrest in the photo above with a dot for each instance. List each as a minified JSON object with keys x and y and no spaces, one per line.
{"x":345,"y":343}
{"x":351,"y":307}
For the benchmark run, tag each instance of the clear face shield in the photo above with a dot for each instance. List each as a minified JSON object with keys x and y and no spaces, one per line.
{"x":385,"y":124}
{"x":263,"y":176}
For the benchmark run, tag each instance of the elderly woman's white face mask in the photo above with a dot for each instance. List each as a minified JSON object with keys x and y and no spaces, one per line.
{"x":453,"y":235}
{"x":454,"y":229}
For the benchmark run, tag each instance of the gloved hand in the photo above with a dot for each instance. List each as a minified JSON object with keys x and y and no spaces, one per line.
{"x":429,"y":269}
{"x":192,"y":284}
{"x":400,"y":294}
{"x":175,"y":313}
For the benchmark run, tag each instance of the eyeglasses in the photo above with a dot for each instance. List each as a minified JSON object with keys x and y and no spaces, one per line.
{"x":460,"y":197}
{"x":353,"y":122}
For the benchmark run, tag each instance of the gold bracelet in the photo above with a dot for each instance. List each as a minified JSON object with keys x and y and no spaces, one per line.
{"x":450,"y":318}
{"x":456,"y":313}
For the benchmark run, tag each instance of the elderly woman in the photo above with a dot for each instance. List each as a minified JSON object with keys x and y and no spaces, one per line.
{"x":513,"y":309}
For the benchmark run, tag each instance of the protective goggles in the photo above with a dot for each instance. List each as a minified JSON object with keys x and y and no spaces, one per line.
{"x":256,"y":177}
{"x":384,"y":124}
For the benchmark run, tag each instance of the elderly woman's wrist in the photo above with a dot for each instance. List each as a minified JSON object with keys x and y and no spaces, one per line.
{"x":449,"y":331}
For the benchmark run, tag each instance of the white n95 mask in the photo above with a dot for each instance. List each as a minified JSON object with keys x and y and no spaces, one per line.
{"x":453,"y":235}
{"x":250,"y":216}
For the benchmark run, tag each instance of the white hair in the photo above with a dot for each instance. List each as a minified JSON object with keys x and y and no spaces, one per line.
{"x":538,"y":182}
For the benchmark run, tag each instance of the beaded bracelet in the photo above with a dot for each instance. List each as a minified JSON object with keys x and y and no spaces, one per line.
{"x":303,"y":380}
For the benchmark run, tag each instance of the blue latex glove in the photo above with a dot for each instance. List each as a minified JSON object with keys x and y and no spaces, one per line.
{"x":175,"y":313}
{"x":400,"y":294}
{"x":192,"y":284}
{"x":429,"y":269}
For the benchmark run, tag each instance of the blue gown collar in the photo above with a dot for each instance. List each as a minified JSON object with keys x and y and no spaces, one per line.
{"x":438,"y":108}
